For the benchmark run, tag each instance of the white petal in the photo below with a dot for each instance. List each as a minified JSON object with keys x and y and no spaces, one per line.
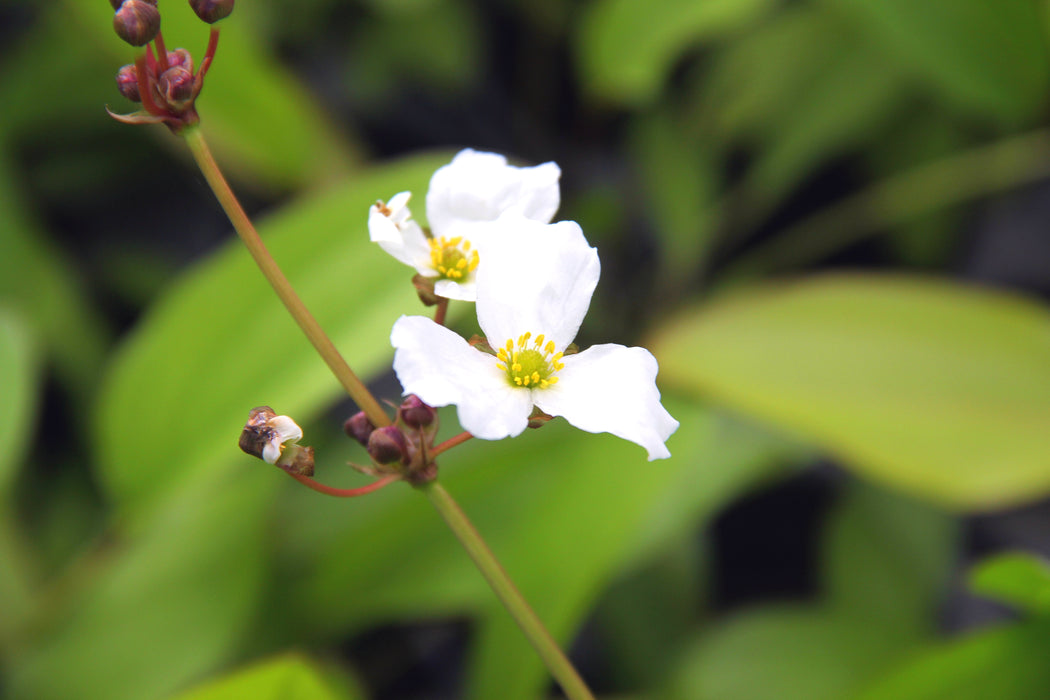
{"x":285,"y":430}
{"x":479,"y":186}
{"x":441,"y":368}
{"x":460,"y":291}
{"x":537,"y":278}
{"x":400,"y":236}
{"x":612,"y":389}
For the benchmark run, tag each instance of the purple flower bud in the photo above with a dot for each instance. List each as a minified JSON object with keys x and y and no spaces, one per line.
{"x":180,"y":58}
{"x":212,"y":10}
{"x":128,"y":83}
{"x":177,"y":86}
{"x":415,"y":413}
{"x":137,"y":21}
{"x":359,"y":427}
{"x":387,"y":445}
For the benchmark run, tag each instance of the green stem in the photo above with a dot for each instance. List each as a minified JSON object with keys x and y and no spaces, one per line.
{"x":559,"y":666}
{"x":309,"y":325}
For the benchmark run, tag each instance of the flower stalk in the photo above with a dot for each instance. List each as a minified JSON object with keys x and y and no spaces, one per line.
{"x":557,"y":663}
{"x":273,"y":274}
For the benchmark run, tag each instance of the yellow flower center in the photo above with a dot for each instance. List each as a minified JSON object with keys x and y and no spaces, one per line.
{"x":452,"y":257}
{"x":530,"y":364}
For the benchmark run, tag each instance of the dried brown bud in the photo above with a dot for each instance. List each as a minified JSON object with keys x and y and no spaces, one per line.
{"x":415,"y":413}
{"x":387,"y":445}
{"x":359,"y":427}
{"x":298,"y":459}
{"x":128,"y":83}
{"x":425,"y":289}
{"x":177,"y":86}
{"x":137,"y":21}
{"x":212,"y":10}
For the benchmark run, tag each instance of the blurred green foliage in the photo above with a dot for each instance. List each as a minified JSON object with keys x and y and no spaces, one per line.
{"x":142,"y":556}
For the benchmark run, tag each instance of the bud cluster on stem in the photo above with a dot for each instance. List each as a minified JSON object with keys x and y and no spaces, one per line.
{"x":163,"y":81}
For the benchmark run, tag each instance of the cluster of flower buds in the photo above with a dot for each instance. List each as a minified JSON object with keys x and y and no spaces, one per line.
{"x":402,"y":447}
{"x":163,"y":81}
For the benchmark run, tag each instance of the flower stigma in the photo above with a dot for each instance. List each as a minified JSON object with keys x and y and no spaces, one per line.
{"x":530,"y":366}
{"x":452,"y":257}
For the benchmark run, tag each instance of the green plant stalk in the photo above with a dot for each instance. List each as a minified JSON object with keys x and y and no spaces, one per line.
{"x":272,"y":272}
{"x":559,"y":666}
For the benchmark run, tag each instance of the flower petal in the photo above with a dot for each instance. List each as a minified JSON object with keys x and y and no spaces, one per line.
{"x":441,"y":368}
{"x":479,"y":186}
{"x":535,"y":278}
{"x":284,"y":430}
{"x":460,"y":291}
{"x":612,"y":389}
{"x":396,"y":232}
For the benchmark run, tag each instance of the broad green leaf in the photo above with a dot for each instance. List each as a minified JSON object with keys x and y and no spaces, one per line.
{"x":626,"y":48}
{"x":990,"y":57}
{"x":931,"y":387}
{"x":162,"y":610}
{"x":783,"y":652}
{"x":680,"y":181}
{"x":1017,"y":579}
{"x":38,"y":282}
{"x":289,"y":677}
{"x":802,"y":88}
{"x":19,"y":379}
{"x":219,"y":343}
{"x":886,"y":560}
{"x":542,"y":501}
{"x":263,"y":124}
{"x":1008,"y":663}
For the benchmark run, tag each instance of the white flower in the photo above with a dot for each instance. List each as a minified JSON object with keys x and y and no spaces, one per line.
{"x":266,"y":433}
{"x":532,"y":297}
{"x":464,"y":198}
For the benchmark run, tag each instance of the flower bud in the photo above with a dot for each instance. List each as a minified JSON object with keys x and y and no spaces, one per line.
{"x":137,"y":21}
{"x":415,"y":413}
{"x":128,"y":83}
{"x":359,"y":427}
{"x":265,"y":434}
{"x":177,"y":86}
{"x":180,"y":58}
{"x":387,"y":445}
{"x":212,"y":10}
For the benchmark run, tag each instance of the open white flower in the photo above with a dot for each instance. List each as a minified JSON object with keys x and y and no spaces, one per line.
{"x":464,"y":198}
{"x":532,"y":297}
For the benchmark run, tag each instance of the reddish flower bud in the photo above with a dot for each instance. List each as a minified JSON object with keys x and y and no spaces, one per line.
{"x":359,"y":427}
{"x":415,"y":413}
{"x":177,"y":86}
{"x":180,"y":58}
{"x":128,"y":83}
{"x":212,"y":10}
{"x":387,"y":445}
{"x":137,"y":21}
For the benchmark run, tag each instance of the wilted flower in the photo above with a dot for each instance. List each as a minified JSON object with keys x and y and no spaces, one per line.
{"x":266,"y":433}
{"x":465,"y":198}
{"x":530,"y":308}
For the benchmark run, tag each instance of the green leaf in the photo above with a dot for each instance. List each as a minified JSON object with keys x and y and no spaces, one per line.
{"x":783,"y":652}
{"x":931,"y":387}
{"x":1008,"y":663}
{"x":37,"y":281}
{"x":829,"y":91}
{"x":988,"y":57}
{"x":19,"y":377}
{"x":170,"y":606}
{"x":264,"y":126}
{"x":1017,"y":579}
{"x":219,"y":343}
{"x":886,"y":559}
{"x":288,"y":677}
{"x":626,"y":48}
